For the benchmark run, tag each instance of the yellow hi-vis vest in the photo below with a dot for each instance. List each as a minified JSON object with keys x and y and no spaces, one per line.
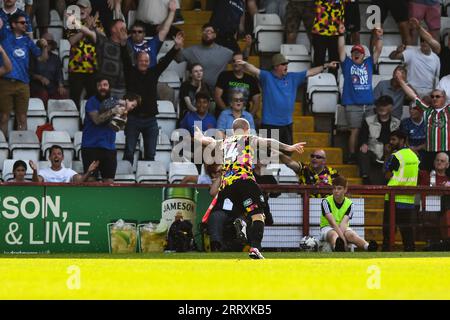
{"x":406,"y":175}
{"x":337,"y":213}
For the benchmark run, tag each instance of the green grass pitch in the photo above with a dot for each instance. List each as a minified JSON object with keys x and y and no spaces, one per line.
{"x":282,"y":275}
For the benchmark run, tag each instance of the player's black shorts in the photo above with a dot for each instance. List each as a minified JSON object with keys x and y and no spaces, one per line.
{"x":352,"y":17}
{"x":246,"y":197}
{"x":398,"y":8}
{"x":108,"y":161}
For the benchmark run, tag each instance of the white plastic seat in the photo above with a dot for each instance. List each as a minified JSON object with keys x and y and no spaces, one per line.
{"x":120,"y":148}
{"x":171,"y":78}
{"x":302,"y":37}
{"x":298,"y":56}
{"x":36,"y":114}
{"x":286,"y":175}
{"x":131,"y":18}
{"x":387,"y":65}
{"x":24,"y":145}
{"x":78,"y":137}
{"x":7,"y":170}
{"x":64,"y":48}
{"x":179,"y":170}
{"x":124,"y":172}
{"x":83,"y":109}
{"x":151,"y":172}
{"x":4,"y":149}
{"x":269,"y":32}
{"x":323,"y":93}
{"x":165,"y":157}
{"x":167,"y":117}
{"x":61,"y":138}
{"x":77,"y":166}
{"x":64,"y":115}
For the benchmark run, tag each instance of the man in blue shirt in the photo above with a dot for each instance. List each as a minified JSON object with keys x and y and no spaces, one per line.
{"x":14,"y":86}
{"x":414,"y":127}
{"x":202,"y":105}
{"x":279,"y":90}
{"x":357,"y":95}
{"x":9,"y":8}
{"x":236,"y":110}
{"x":99,"y":138}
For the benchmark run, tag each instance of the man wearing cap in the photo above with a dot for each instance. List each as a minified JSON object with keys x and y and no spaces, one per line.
{"x":279,"y":88}
{"x":357,"y":95}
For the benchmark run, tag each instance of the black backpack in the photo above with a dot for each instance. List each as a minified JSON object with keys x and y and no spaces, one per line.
{"x":180,"y":237}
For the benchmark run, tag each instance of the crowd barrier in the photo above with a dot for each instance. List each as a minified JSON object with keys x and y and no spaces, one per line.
{"x":57,"y":218}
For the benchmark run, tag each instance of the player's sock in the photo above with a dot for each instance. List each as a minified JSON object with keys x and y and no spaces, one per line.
{"x":256,"y":233}
{"x":366,"y":246}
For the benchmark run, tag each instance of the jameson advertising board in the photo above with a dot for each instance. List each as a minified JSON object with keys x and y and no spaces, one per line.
{"x":44,"y":219}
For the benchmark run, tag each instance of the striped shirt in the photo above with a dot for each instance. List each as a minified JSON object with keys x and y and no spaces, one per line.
{"x":437,"y":127}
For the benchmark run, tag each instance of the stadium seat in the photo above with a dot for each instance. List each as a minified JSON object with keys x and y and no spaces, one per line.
{"x":269,"y":32}
{"x":151,"y":172}
{"x":164,"y":157}
{"x":64,"y":48}
{"x":7,"y":170}
{"x":124,"y":172}
{"x":83,"y":110}
{"x":36,"y":114}
{"x":131,"y":18}
{"x":167,"y":117}
{"x":405,"y":112}
{"x":286,"y":175}
{"x":44,"y":164}
{"x":77,"y":144}
{"x":323,"y":93}
{"x":24,"y":145}
{"x":302,"y":37}
{"x":4,"y":149}
{"x":62,"y":139}
{"x":178,"y":170}
{"x":171,"y":78}
{"x":387,"y":65}
{"x":120,"y":148}
{"x":64,"y":116}
{"x":445,"y":28}
{"x":77,"y":166}
{"x":298,"y":56}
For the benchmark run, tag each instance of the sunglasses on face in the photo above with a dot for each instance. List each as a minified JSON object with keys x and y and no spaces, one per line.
{"x":435,"y":97}
{"x":238,"y":100}
{"x":316,"y":156}
{"x":22,"y":22}
{"x":137,"y":31}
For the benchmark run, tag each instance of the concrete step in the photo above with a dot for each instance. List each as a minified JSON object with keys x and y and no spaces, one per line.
{"x":303,"y":124}
{"x":373,"y":217}
{"x":298,"y":109}
{"x":354,"y":181}
{"x":192,"y":17}
{"x":334,"y":155}
{"x":346,"y":170}
{"x":313,"y":139}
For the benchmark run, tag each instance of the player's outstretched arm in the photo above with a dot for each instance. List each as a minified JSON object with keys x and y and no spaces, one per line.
{"x":292,"y":164}
{"x":280,"y":146}
{"x":205,"y":141}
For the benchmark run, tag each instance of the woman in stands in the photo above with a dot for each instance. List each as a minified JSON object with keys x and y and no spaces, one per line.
{"x":19,"y":171}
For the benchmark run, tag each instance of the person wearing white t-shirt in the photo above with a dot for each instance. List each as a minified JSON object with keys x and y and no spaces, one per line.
{"x":423,"y":63}
{"x":444,"y":84}
{"x":56,"y":172}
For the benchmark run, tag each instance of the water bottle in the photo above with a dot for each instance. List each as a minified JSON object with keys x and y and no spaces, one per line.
{"x":432,"y":178}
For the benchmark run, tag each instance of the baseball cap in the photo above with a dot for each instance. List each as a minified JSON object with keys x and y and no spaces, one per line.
{"x":279,"y":59}
{"x":359,"y":48}
{"x":84,"y":3}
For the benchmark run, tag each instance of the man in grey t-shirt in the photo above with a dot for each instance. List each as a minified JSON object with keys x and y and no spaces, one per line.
{"x":213,"y":57}
{"x":392,"y":88}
